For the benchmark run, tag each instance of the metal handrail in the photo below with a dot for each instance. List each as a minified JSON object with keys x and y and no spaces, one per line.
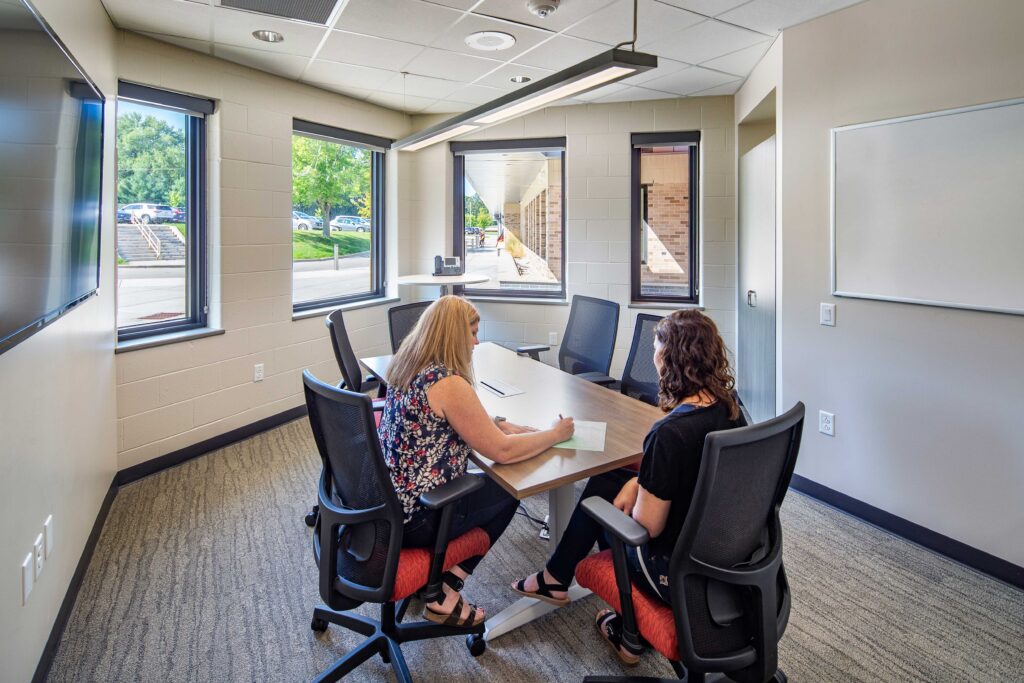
{"x":151,"y":239}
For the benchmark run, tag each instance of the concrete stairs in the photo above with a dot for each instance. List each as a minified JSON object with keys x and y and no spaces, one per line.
{"x":132,"y":246}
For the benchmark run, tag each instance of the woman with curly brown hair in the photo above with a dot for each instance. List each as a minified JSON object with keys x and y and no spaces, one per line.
{"x":696,"y":390}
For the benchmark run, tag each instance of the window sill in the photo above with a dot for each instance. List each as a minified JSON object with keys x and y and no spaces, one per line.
{"x":320,"y":312}
{"x":518,"y":300}
{"x":662,"y":306}
{"x":164,"y":339}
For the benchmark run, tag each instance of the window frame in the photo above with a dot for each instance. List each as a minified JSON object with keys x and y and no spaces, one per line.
{"x":637,"y":241}
{"x":196,"y":271}
{"x":378,"y":147}
{"x":458,"y":151}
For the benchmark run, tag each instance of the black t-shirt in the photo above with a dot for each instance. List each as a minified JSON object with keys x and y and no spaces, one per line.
{"x":672,"y":453}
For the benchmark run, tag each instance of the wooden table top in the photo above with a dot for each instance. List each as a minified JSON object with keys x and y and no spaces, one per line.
{"x":547,"y":391}
{"x":431,"y":279}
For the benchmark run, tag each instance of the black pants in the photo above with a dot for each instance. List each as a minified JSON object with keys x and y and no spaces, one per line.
{"x":489,"y":508}
{"x":583,"y":532}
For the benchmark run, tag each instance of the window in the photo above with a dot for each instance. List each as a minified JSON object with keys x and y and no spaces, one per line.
{"x":337,"y":216}
{"x":663,"y":241}
{"x":509,"y":216}
{"x":161,"y":211}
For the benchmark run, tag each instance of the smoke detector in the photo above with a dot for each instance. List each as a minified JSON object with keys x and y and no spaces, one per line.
{"x":542,"y":8}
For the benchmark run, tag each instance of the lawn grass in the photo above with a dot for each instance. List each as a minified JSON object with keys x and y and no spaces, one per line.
{"x":311,"y":244}
{"x":180,"y":227}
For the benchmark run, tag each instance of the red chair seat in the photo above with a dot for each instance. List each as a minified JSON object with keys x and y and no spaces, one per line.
{"x":653,"y":617}
{"x":414,"y":563}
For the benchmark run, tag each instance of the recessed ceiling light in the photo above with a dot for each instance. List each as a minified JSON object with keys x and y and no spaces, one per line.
{"x":268,"y":36}
{"x":520,"y":79}
{"x":490,"y":41}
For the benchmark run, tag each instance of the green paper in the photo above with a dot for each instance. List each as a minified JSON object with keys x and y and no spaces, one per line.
{"x":589,"y":436}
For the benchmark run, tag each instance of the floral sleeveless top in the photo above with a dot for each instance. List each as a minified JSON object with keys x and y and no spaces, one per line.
{"x":421,"y":449}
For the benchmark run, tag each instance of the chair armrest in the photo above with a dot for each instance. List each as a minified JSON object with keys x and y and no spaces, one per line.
{"x":437,"y":498}
{"x":615,"y":521}
{"x":597,"y":378}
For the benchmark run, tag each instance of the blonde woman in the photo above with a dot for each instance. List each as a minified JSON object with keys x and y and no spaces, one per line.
{"x":432,"y":420}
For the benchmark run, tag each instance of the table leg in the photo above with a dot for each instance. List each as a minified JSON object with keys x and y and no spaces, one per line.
{"x":525,"y":610}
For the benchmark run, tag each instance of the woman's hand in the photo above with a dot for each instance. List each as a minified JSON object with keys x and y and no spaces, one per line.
{"x":563,"y":428}
{"x":626,"y":499}
{"x":511,"y":428}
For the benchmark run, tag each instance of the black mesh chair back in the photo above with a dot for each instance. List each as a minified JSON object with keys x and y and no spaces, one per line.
{"x":351,"y":373}
{"x":640,"y":377}
{"x":401,"y":320}
{"x":358,"y":503}
{"x":726,"y":568}
{"x":589,"y":339}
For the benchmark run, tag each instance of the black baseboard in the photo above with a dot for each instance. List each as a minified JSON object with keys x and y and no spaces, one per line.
{"x":955,"y":550}
{"x":144,"y":469}
{"x":64,"y":613}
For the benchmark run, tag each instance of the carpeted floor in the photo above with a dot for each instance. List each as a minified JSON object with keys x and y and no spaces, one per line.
{"x":205,"y":573}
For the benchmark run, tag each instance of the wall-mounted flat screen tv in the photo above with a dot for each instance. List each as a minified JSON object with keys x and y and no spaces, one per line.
{"x":51,"y":153}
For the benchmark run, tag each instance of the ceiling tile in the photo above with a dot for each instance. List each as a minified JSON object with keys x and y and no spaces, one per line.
{"x":355,"y":48}
{"x":568,"y":12}
{"x":665,"y":67}
{"x":690,"y":81}
{"x":704,"y":41}
{"x":771,"y":16}
{"x":457,"y":4}
{"x":501,"y":78}
{"x":709,"y":8}
{"x":454,"y":38}
{"x":476,"y":94}
{"x":726,"y":89}
{"x":614,"y":23}
{"x":182,"y":19}
{"x":189,"y":43}
{"x":354,"y":93}
{"x":347,"y":75}
{"x":419,"y":86}
{"x":450,"y":65}
{"x":234,"y":27}
{"x":633,"y":94}
{"x":407,"y":103}
{"x":447,"y":107}
{"x":561,"y":52}
{"x":740,"y":62}
{"x":289,"y":66}
{"x":412,"y":22}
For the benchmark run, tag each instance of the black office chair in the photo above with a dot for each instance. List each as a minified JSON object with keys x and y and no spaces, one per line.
{"x":588,"y":341}
{"x":639,"y":376}
{"x":730,"y":598}
{"x":401,"y":320}
{"x":357,"y":542}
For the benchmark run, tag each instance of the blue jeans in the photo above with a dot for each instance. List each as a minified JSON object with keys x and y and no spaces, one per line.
{"x":489,"y":508}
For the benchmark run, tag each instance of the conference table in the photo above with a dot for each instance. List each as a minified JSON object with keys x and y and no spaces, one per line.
{"x":547,"y":392}
{"x":443,"y":281}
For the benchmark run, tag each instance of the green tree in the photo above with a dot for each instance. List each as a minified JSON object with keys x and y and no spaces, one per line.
{"x":477,"y":214}
{"x":330,"y":175}
{"x":150,"y":160}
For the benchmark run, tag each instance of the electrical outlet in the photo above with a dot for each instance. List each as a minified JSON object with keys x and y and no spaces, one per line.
{"x":26,"y":578}
{"x":826,"y":423}
{"x":827,"y":315}
{"x":48,"y":534}
{"x":37,"y":551}
{"x":552,"y":338}
{"x":257,"y":373}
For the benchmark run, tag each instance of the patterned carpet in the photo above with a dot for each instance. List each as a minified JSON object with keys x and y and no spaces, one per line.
{"x":205,"y":573}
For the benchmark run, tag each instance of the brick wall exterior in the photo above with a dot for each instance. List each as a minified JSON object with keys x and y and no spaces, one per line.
{"x":668,"y":220}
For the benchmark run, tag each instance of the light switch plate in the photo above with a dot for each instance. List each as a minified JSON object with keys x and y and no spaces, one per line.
{"x":827,"y":315}
{"x":48,"y":535}
{"x":27,"y":568}
{"x":37,"y":551}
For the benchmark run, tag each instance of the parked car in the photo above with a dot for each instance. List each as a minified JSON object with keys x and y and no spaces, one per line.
{"x":350,"y":223}
{"x":123,"y":216}
{"x":301,"y":222}
{"x":179,"y":214}
{"x":312,"y":220}
{"x":150,"y":213}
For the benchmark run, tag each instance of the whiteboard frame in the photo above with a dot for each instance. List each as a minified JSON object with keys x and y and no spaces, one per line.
{"x":832,"y":208}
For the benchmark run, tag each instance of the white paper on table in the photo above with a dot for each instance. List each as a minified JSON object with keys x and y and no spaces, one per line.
{"x":589,"y":436}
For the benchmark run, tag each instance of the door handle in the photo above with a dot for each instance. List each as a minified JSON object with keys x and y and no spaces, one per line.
{"x":751,"y":298}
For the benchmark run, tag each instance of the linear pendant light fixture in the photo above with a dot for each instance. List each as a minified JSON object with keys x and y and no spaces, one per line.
{"x":598,"y":71}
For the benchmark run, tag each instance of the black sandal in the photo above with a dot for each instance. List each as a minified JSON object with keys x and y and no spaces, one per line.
{"x":454,"y":618}
{"x":609,"y":625}
{"x":543,"y":591}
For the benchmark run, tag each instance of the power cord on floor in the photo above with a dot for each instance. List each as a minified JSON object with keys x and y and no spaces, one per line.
{"x":545,"y":531}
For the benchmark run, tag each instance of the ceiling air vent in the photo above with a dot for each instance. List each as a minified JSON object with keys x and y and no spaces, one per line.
{"x":313,"y":11}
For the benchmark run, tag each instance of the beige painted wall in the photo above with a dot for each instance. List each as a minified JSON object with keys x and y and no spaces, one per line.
{"x":597,"y":205}
{"x":173,"y":396}
{"x":58,"y":443}
{"x":927,"y":400}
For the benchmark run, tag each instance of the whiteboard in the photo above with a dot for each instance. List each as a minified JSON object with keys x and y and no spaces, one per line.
{"x":929,"y":209}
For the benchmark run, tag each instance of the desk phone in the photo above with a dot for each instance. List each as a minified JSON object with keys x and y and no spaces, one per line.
{"x":447,"y":265}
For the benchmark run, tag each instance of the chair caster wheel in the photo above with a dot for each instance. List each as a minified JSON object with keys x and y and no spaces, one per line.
{"x":318,"y":625}
{"x":311,"y":517}
{"x":476,"y":644}
{"x":385,"y":656}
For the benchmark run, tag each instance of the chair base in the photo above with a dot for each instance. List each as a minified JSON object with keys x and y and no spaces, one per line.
{"x":385,"y":637}
{"x":779,"y":677}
